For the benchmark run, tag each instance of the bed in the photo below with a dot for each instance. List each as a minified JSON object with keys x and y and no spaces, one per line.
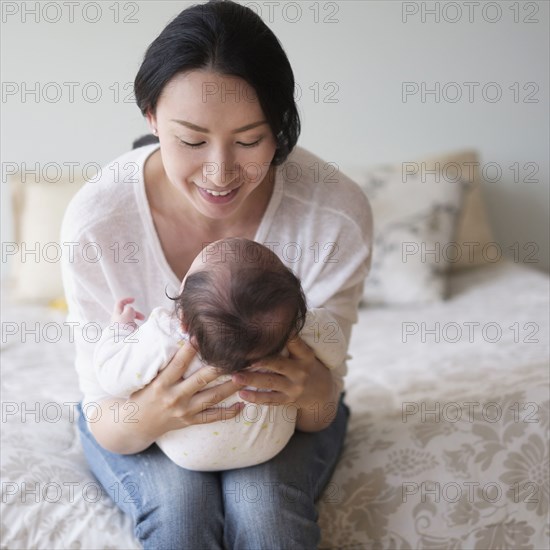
{"x":447,"y":444}
{"x":448,"y":385}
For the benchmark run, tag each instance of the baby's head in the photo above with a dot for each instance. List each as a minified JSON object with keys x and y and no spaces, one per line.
{"x":239,"y":303}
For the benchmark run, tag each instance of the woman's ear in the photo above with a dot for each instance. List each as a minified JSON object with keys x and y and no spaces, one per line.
{"x":152,"y":122}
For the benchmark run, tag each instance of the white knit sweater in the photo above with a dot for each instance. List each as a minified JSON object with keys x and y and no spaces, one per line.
{"x":318,"y":222}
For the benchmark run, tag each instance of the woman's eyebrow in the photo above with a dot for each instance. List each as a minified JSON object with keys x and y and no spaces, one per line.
{"x":192,"y":126}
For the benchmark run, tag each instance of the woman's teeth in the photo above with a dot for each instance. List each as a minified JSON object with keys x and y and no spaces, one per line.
{"x":218,"y":197}
{"x":218,"y":193}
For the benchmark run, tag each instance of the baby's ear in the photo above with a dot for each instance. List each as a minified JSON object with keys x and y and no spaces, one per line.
{"x":183,"y":321}
{"x":293,"y":335}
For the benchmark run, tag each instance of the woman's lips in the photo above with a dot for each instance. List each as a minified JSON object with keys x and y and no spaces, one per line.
{"x":220,"y":199}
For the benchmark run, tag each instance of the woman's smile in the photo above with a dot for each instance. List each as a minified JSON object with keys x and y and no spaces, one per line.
{"x":218,"y":197}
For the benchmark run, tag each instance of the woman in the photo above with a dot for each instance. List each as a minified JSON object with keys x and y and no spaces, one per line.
{"x":217,"y":89}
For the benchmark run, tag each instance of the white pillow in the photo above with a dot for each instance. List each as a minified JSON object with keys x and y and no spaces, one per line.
{"x":34,"y":256}
{"x":414,"y":214}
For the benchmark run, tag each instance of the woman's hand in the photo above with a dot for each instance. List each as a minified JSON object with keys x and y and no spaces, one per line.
{"x":167,"y":403}
{"x":300,"y":380}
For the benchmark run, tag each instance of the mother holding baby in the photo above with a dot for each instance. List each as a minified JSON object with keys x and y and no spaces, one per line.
{"x":218,"y":91}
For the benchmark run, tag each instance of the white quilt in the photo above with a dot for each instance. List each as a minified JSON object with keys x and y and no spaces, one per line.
{"x":447,"y":447}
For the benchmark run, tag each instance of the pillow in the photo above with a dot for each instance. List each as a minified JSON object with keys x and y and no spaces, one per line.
{"x":419,"y":211}
{"x":34,"y":256}
{"x":473,"y":224}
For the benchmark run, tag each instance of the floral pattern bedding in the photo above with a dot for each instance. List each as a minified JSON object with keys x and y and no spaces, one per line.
{"x":447,"y":444}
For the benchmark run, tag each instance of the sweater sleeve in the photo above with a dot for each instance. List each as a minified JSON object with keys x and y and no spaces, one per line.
{"x":87,"y":295}
{"x":343,"y":302}
{"x":92,"y":278}
{"x":323,"y":334}
{"x":110,"y":259}
{"x":335,"y":279}
{"x":328,"y":226}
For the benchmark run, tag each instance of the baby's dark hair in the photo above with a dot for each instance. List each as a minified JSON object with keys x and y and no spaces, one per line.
{"x":243,"y":307}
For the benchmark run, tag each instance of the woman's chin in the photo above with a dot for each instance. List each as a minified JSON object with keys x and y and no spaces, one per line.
{"x":215,"y":211}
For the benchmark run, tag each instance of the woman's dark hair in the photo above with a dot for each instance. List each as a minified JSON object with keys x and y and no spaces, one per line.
{"x":243,"y":308}
{"x":229,"y":39}
{"x":147,"y":139}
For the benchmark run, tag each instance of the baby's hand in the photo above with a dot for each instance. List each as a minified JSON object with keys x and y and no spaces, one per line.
{"x":125,"y":314}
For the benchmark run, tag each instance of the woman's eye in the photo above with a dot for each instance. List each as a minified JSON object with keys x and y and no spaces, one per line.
{"x":193,"y":145}
{"x":250,"y":144}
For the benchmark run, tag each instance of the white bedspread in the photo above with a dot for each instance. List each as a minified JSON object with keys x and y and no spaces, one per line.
{"x":475,"y":473}
{"x":472,"y":474}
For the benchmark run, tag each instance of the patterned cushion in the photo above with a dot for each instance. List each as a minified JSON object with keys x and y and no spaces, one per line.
{"x":415,"y":218}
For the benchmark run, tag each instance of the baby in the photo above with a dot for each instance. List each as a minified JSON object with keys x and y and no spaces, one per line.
{"x":238,"y":304}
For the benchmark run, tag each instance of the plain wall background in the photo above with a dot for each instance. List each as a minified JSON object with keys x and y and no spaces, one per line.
{"x":356,"y":53}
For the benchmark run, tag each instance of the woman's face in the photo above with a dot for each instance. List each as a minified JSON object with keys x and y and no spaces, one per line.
{"x":216,"y":144}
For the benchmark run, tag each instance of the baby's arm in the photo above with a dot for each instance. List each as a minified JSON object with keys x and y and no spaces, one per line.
{"x":126,"y":358}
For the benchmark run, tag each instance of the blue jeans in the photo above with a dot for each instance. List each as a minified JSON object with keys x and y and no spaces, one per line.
{"x":268,"y":506}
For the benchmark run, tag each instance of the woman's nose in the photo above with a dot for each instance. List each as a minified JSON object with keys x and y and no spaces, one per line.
{"x":222,"y":171}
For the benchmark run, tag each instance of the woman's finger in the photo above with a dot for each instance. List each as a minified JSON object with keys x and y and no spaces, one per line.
{"x":298,"y":349}
{"x":272,"y":398}
{"x":199,"y":380}
{"x":277,"y":364}
{"x":213,"y":396}
{"x":219,"y":413}
{"x":263,"y":380}
{"x":178,"y":365}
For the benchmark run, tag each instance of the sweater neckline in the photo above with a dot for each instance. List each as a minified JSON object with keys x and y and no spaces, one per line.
{"x":149,"y":225}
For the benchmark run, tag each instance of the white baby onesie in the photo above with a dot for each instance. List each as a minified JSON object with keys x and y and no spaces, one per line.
{"x":127,"y":359}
